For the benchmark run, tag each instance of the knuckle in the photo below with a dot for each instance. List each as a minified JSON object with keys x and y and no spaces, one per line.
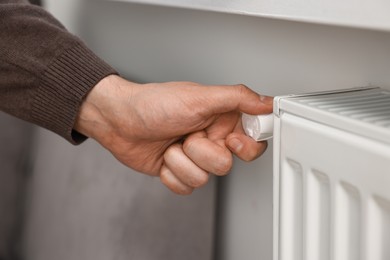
{"x":183,"y":191}
{"x":188,"y":145}
{"x":174,"y":187}
{"x":224,"y":166}
{"x":199,"y":180}
{"x":171,"y":152}
{"x":242,"y":88}
{"x":164,"y":178}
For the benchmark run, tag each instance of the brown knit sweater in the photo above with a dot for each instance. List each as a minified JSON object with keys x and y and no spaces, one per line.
{"x":45,"y":72}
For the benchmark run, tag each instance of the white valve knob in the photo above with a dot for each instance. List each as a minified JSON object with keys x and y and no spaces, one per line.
{"x":259,"y":127}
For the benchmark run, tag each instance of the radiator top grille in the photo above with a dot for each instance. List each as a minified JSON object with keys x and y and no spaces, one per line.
{"x":371,"y":106}
{"x":363,"y":111}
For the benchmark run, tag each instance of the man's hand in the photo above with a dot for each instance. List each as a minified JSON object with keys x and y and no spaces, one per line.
{"x":180,"y":131}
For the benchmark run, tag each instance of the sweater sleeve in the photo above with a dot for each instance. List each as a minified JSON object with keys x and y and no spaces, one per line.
{"x":45,"y":72}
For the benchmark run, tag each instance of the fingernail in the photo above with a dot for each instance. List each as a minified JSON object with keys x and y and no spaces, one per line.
{"x":236,"y":144}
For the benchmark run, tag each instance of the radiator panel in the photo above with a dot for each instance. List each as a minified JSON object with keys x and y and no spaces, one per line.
{"x":332,"y":196}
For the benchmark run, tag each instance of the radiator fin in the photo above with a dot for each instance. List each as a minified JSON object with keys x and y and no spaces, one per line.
{"x":348,"y":224}
{"x":318,"y":216}
{"x":292,"y":242}
{"x":379,"y":239}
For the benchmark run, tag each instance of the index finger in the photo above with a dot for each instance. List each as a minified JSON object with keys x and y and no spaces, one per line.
{"x":237,"y":97}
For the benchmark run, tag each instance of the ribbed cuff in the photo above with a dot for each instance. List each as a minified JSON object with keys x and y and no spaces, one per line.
{"x":63,"y":86}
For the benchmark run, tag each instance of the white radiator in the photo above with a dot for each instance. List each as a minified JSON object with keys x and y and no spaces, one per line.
{"x":332,"y":176}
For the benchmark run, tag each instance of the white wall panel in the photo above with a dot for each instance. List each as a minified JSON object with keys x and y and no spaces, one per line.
{"x":362,"y":13}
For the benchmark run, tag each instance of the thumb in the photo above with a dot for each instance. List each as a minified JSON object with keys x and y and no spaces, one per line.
{"x":245,"y":147}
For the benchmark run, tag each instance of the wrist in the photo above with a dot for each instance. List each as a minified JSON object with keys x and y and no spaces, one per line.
{"x":91,"y":120}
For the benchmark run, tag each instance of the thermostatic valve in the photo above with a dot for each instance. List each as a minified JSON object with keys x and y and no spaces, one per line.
{"x":259,"y":127}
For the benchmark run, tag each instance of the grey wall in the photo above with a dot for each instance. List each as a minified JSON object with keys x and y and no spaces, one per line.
{"x":83,"y":202}
{"x":85,"y":205}
{"x":15,"y":147}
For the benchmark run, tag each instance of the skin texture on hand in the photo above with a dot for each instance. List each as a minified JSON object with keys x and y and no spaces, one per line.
{"x":179,"y":131}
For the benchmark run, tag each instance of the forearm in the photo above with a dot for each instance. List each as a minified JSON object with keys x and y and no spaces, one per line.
{"x":45,"y":72}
